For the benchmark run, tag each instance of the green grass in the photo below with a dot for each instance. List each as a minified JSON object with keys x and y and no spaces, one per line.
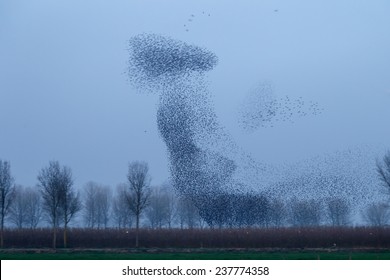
{"x":220,"y":255}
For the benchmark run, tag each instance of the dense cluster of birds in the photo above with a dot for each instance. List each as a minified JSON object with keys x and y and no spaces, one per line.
{"x":206,"y":165}
{"x":186,"y":120}
{"x":262,"y":108}
{"x":157,"y":62}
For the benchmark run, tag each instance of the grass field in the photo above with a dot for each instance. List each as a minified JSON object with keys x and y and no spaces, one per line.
{"x":366,"y":254}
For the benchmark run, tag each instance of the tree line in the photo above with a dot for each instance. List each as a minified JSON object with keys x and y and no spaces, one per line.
{"x":55,"y":201}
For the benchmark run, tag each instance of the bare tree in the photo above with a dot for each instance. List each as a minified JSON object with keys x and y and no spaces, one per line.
{"x":18,"y":209}
{"x":338,"y":211}
{"x":377,"y":214}
{"x":305,"y":212}
{"x":171,"y":200}
{"x":383,"y":169}
{"x":159,"y":209}
{"x":104,"y":200}
{"x":97,"y":204}
{"x":60,"y":201}
{"x":187,"y":213}
{"x":7,"y":190}
{"x":26,"y":209}
{"x":70,"y":200}
{"x":121,"y":213}
{"x":277,"y":212}
{"x":33,"y":202}
{"x":50,"y":185}
{"x":139,"y":191}
{"x":89,"y":213}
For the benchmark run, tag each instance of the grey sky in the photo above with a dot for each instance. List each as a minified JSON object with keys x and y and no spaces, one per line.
{"x":64,"y":94}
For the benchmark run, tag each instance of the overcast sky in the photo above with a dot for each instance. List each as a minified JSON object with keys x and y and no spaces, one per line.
{"x":64,"y":93}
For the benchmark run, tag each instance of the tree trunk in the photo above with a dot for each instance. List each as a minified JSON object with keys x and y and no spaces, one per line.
{"x":137,"y":231}
{"x":2,"y":233}
{"x":54,"y":230}
{"x":54,"y":237}
{"x":65,"y":235}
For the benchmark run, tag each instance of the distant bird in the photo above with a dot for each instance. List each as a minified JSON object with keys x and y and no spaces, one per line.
{"x":276,"y":10}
